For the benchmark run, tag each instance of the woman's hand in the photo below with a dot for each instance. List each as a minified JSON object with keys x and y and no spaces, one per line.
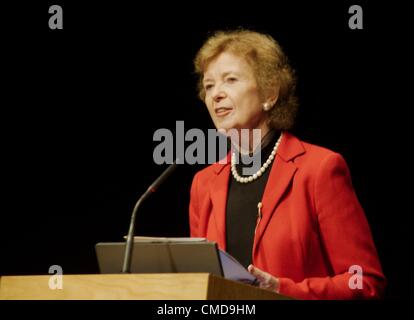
{"x":266,"y":280}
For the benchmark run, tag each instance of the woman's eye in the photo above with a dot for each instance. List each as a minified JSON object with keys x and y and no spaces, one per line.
{"x":207,"y":87}
{"x":231,"y":79}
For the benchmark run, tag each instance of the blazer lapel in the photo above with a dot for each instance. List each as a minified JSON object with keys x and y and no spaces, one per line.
{"x":218,"y":193}
{"x":281,"y":175}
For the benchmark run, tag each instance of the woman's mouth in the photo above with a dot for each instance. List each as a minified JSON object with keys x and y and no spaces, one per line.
{"x":222,"y":111}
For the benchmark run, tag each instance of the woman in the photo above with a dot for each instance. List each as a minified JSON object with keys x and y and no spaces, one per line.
{"x":297,"y":223}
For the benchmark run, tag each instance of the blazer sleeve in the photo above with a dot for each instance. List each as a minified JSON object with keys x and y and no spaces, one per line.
{"x":345,"y":238}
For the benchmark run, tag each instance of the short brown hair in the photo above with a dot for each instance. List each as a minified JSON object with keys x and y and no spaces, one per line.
{"x":270,"y":66}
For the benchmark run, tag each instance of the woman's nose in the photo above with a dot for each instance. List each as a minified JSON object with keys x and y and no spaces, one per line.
{"x":218,"y":94}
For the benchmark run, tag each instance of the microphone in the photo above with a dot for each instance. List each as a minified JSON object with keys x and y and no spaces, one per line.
{"x":126,"y":268}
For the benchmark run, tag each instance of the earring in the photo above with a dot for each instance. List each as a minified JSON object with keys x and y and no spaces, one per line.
{"x":266,"y":106}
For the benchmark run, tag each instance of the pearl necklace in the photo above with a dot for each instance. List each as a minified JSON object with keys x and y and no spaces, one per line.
{"x":260,"y":171}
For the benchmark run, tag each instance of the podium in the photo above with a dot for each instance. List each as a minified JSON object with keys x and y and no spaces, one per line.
{"x":155,"y":286}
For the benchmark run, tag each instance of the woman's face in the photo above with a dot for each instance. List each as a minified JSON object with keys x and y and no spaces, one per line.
{"x":232,"y":94}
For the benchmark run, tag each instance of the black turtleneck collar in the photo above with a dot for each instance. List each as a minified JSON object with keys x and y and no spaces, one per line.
{"x":241,"y":209}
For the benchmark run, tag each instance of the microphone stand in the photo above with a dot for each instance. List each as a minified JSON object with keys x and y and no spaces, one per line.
{"x":126,"y":268}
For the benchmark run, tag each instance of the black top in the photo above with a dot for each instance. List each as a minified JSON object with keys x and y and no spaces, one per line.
{"x":242,"y":200}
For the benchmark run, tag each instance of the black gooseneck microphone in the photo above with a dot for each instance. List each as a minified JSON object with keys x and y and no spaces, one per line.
{"x":126,"y":268}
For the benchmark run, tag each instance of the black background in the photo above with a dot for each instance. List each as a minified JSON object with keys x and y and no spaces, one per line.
{"x":80,"y":106}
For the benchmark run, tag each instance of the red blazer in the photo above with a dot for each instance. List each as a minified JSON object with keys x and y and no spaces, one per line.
{"x":312,"y":230}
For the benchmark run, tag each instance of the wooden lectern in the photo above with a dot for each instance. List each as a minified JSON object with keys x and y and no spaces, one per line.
{"x":156,"y":286}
